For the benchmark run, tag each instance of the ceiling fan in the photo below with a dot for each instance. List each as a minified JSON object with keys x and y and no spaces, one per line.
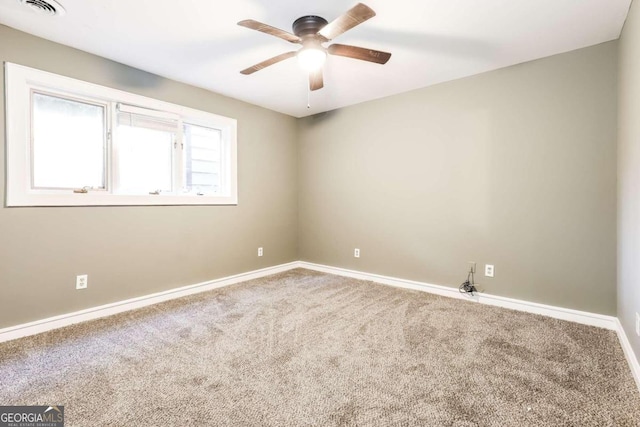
{"x":311,"y":31}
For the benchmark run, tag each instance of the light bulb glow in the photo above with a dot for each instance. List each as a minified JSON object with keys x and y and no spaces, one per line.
{"x":311,"y":59}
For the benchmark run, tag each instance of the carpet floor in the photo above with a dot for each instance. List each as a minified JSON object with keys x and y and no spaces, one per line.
{"x":303,"y":348}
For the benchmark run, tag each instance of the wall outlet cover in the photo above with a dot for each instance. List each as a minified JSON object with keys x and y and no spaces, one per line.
{"x":489,"y":270}
{"x":82,"y":281}
{"x":356,"y":253}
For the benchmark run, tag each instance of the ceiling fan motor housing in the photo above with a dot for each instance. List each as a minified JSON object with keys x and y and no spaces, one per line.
{"x":308,"y":25}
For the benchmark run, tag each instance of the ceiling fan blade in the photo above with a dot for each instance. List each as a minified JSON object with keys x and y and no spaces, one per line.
{"x":354,"y":16}
{"x":359,"y":53}
{"x":315,"y":80}
{"x":268,"y":29}
{"x":268,"y":62}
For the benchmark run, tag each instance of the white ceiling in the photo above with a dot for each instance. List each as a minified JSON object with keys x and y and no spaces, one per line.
{"x":432,"y":41}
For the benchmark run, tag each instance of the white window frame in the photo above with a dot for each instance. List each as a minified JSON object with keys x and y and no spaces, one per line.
{"x":21,"y":82}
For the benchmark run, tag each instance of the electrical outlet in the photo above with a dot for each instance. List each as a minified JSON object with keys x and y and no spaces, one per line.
{"x":637,"y":324}
{"x":260,"y":252}
{"x":356,"y":253}
{"x":82,"y":281}
{"x":472,"y":267}
{"x":489,"y":270}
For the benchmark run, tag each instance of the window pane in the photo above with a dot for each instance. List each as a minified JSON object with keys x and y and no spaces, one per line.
{"x":68,"y":143}
{"x":202,"y":159}
{"x":144,"y":160}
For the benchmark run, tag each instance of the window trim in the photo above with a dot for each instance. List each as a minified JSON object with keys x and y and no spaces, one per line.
{"x":21,"y":81}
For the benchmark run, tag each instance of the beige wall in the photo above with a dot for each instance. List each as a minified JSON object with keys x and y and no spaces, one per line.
{"x":133,"y":251}
{"x":515,"y":168}
{"x":629,"y":177}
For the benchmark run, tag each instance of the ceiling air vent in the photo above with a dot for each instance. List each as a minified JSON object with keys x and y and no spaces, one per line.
{"x":44,"y":7}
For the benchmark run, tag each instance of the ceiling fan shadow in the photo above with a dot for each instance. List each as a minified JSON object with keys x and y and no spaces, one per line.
{"x":131,"y":77}
{"x":320,"y":118}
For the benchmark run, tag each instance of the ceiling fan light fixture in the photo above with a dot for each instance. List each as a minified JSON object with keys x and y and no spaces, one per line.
{"x":311,"y":31}
{"x":311,"y":58}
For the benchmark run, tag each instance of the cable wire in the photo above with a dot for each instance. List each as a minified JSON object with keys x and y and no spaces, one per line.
{"x":468,"y":287}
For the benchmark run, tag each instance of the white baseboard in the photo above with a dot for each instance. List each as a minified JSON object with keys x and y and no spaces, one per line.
{"x":584,"y":317}
{"x":55,"y":322}
{"x":628,"y":352}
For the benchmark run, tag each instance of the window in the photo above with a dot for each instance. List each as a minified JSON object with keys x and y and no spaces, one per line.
{"x":204,"y":159}
{"x":72,"y":143}
{"x":63,"y":130}
{"x":145,"y":146}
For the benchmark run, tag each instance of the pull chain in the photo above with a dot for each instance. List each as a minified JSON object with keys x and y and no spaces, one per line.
{"x":309,"y":94}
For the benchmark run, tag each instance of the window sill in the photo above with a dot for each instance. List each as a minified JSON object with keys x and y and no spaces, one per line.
{"x":89,"y":199}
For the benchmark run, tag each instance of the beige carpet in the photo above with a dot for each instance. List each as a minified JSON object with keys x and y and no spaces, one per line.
{"x":310,"y":349}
